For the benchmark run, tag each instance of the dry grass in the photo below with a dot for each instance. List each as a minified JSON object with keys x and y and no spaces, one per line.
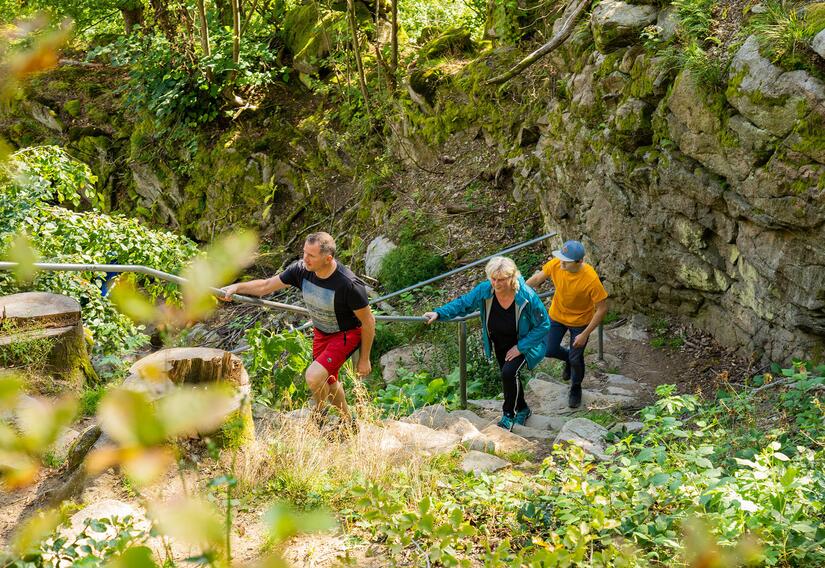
{"x":295,"y":458}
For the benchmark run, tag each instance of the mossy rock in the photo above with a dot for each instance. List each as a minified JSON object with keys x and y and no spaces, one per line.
{"x":453,"y":41}
{"x":310,"y":33}
{"x":424,"y":83}
{"x":72,"y":107}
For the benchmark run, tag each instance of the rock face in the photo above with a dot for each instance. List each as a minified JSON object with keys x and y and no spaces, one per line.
{"x":49,"y":323}
{"x":690,"y":201}
{"x":617,"y":24}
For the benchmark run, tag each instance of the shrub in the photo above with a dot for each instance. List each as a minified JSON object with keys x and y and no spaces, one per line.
{"x":408,"y":264}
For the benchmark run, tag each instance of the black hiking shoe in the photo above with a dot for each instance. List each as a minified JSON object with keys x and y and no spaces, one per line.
{"x":344,"y":429}
{"x":574,"y":400}
{"x":565,"y":374}
{"x":320,"y":417}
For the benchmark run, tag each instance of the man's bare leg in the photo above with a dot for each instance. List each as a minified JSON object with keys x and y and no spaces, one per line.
{"x":316,"y":377}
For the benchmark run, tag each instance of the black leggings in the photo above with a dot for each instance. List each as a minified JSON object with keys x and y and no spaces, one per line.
{"x":510,"y":381}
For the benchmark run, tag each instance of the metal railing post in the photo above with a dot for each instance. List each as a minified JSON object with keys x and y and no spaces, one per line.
{"x":601,"y":342}
{"x":462,"y":362}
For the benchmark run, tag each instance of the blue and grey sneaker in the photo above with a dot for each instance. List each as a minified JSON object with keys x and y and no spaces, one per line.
{"x":506,"y":422}
{"x":522,"y":415}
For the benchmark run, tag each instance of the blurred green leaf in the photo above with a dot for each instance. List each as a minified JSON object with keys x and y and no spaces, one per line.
{"x":134,"y":557}
{"x":221,"y":264}
{"x":192,"y":520}
{"x":11,"y":385}
{"x":193,"y":410}
{"x":130,"y":419}
{"x":132,"y":303}
{"x":284,"y":522}
{"x":40,"y":421}
{"x":34,"y":530}
{"x":22,"y":252}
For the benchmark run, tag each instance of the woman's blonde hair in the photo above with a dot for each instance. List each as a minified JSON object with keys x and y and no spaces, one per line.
{"x":504,"y":268}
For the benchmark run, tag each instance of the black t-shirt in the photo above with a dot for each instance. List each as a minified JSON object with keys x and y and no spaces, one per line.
{"x":331,"y":301}
{"x":501,"y":325}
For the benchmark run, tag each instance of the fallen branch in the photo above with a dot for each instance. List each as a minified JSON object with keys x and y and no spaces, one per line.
{"x":555,"y":41}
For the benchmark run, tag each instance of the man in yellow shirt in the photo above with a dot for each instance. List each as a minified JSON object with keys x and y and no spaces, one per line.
{"x":579,"y":306}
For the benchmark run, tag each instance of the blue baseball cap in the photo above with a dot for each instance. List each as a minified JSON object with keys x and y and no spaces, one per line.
{"x":571,"y":251}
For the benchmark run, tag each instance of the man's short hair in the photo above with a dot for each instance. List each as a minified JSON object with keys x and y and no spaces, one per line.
{"x":324,"y":241}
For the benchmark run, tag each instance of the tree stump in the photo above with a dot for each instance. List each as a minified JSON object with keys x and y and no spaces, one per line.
{"x":42,"y":334}
{"x":159,"y":373}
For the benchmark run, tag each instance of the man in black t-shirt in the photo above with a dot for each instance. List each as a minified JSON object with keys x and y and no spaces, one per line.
{"x":341,"y":316}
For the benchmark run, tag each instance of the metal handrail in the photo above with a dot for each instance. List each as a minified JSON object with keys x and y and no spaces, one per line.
{"x":465,"y":267}
{"x":145,"y":270}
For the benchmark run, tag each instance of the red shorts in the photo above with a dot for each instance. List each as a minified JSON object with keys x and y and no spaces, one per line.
{"x":332,"y":350}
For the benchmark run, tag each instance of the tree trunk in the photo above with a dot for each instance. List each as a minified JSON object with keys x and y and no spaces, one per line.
{"x":132,"y":16}
{"x":206,"y":48}
{"x":42,"y":334}
{"x":356,"y":47}
{"x":394,"y":60}
{"x":558,"y":39}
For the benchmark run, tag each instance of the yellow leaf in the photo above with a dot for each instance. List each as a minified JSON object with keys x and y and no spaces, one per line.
{"x":194,"y":410}
{"x":192,"y":520}
{"x":34,"y":530}
{"x":101,"y":459}
{"x":222,"y":262}
{"x":22,"y":252}
{"x":153,"y":372}
{"x":147,"y":466}
{"x":130,"y":419}
{"x":132,"y":303}
{"x":11,"y":384}
{"x":40,"y":421}
{"x":17,"y":469}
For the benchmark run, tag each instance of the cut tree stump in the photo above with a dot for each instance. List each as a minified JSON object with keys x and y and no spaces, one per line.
{"x":43,"y":331}
{"x":161,"y":372}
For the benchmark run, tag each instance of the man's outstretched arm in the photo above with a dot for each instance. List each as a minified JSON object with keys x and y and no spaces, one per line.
{"x":260,"y":287}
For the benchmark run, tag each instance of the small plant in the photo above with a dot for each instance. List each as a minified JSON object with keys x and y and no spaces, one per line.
{"x":409,"y":264}
{"x":276,"y":363}
{"x":785,"y":30}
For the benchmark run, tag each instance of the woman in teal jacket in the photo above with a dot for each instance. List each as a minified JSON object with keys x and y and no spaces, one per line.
{"x":514,"y":327}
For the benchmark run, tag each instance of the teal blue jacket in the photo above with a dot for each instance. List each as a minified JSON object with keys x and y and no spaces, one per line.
{"x":532,"y":321}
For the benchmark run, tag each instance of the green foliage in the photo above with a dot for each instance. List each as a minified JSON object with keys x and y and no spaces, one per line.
{"x":694,"y":461}
{"x":414,"y":390}
{"x":785,"y":31}
{"x":101,"y":541}
{"x":409,"y":264}
{"x":422,"y":19}
{"x":61,"y":235}
{"x":695,"y":19}
{"x":437,"y":530}
{"x":182,"y":91}
{"x":89,"y":400}
{"x":276,"y":363}
{"x":51,"y":175}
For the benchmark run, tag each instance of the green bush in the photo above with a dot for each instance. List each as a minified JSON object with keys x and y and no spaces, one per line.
{"x":29,"y":205}
{"x":276,"y":363}
{"x":408,"y":264}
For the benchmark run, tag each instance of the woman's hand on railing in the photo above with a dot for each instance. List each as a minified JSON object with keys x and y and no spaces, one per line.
{"x":431,"y":317}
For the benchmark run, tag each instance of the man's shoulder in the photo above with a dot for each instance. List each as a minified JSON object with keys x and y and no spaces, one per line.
{"x":550,"y":265}
{"x":348,"y":275}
